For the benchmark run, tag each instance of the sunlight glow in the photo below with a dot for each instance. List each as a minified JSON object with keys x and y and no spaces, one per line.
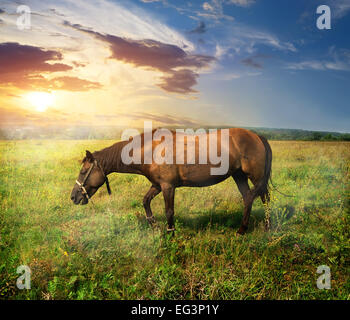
{"x":40,"y":100}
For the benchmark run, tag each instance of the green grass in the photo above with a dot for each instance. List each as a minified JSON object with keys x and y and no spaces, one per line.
{"x":108,"y":251}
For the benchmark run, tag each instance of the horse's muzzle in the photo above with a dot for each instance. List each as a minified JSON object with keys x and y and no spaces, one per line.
{"x":80,"y":199}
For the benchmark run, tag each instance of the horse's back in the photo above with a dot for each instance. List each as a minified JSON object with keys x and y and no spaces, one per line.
{"x":246,"y":152}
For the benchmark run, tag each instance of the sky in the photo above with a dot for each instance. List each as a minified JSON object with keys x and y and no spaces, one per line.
{"x":243,"y":63}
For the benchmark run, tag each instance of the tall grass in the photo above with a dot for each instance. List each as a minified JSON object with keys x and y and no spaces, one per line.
{"x":108,"y":251}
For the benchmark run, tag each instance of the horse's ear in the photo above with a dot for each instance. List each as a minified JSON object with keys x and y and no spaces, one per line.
{"x":89,"y":156}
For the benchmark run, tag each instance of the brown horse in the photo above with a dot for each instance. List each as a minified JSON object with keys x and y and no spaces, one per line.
{"x":249,"y":157}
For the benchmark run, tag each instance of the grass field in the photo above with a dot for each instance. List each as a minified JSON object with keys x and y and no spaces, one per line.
{"x":108,"y":251}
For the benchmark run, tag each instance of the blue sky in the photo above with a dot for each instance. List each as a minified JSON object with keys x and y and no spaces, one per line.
{"x":289,"y":91}
{"x":291,"y":88}
{"x":236,"y":62}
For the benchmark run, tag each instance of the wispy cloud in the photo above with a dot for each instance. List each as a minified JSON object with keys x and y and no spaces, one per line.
{"x":164,"y":119}
{"x":338,"y":60}
{"x":236,"y":75}
{"x":340,"y":8}
{"x":200,"y":29}
{"x":242,"y":40}
{"x":214,"y":10}
{"x":265,"y":38}
{"x":16,"y":116}
{"x":126,"y":20}
{"x":242,"y":3}
{"x":250,"y":62}
{"x":254,"y":61}
{"x":174,"y":62}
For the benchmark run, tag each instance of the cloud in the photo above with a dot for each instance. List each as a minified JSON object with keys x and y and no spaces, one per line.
{"x":17,"y":58}
{"x":127,"y":20}
{"x":236,"y":75}
{"x":54,"y":11}
{"x":340,"y":8}
{"x":20,"y":117}
{"x":338,"y":60}
{"x":200,"y":29}
{"x":180,"y":81}
{"x":251,"y":61}
{"x":73,"y":84}
{"x":22,"y":66}
{"x":242,"y":40}
{"x":265,"y":38}
{"x":172,"y":61}
{"x":208,"y":7}
{"x":220,"y":51}
{"x":214,"y":10}
{"x":163,"y":119}
{"x":319,"y":65}
{"x":306,"y":65}
{"x":242,"y":3}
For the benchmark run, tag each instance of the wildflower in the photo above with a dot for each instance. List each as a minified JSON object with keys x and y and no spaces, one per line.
{"x":296,"y":247}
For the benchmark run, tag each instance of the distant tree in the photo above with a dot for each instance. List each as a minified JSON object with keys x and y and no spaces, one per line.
{"x":345,"y":137}
{"x":316,"y":136}
{"x":329,"y":137}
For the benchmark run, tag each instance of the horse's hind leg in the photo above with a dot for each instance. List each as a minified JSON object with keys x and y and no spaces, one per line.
{"x":265,"y":198}
{"x":241,"y":180}
{"x":152,"y":192}
{"x":169,"y":194}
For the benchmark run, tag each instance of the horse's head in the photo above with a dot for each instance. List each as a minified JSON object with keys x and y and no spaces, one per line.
{"x":91,"y":178}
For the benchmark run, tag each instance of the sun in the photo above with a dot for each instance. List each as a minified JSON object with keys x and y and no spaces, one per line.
{"x":40,"y":100}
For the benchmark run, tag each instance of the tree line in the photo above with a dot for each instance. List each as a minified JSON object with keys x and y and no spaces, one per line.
{"x":114,"y":133}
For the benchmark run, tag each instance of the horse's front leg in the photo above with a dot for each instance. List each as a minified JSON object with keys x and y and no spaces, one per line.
{"x":169,"y":194}
{"x":152,"y":192}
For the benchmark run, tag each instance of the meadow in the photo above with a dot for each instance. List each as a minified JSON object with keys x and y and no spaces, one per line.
{"x":106,"y":250}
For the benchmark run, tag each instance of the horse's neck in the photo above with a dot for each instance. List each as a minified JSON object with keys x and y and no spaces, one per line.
{"x":117,"y":164}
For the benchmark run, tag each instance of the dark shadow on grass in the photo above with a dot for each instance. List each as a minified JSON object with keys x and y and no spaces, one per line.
{"x":310,"y":208}
{"x":220,"y":219}
{"x":290,"y":211}
{"x":202,"y":220}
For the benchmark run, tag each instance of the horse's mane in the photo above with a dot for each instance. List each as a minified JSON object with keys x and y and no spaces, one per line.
{"x":108,"y":157}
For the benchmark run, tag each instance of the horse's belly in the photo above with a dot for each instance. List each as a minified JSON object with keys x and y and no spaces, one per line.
{"x":199,"y":176}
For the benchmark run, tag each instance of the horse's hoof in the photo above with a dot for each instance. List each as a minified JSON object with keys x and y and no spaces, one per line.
{"x":170,"y":231}
{"x":151,"y":220}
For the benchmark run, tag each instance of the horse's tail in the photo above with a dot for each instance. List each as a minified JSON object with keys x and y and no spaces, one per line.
{"x":262,"y":188}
